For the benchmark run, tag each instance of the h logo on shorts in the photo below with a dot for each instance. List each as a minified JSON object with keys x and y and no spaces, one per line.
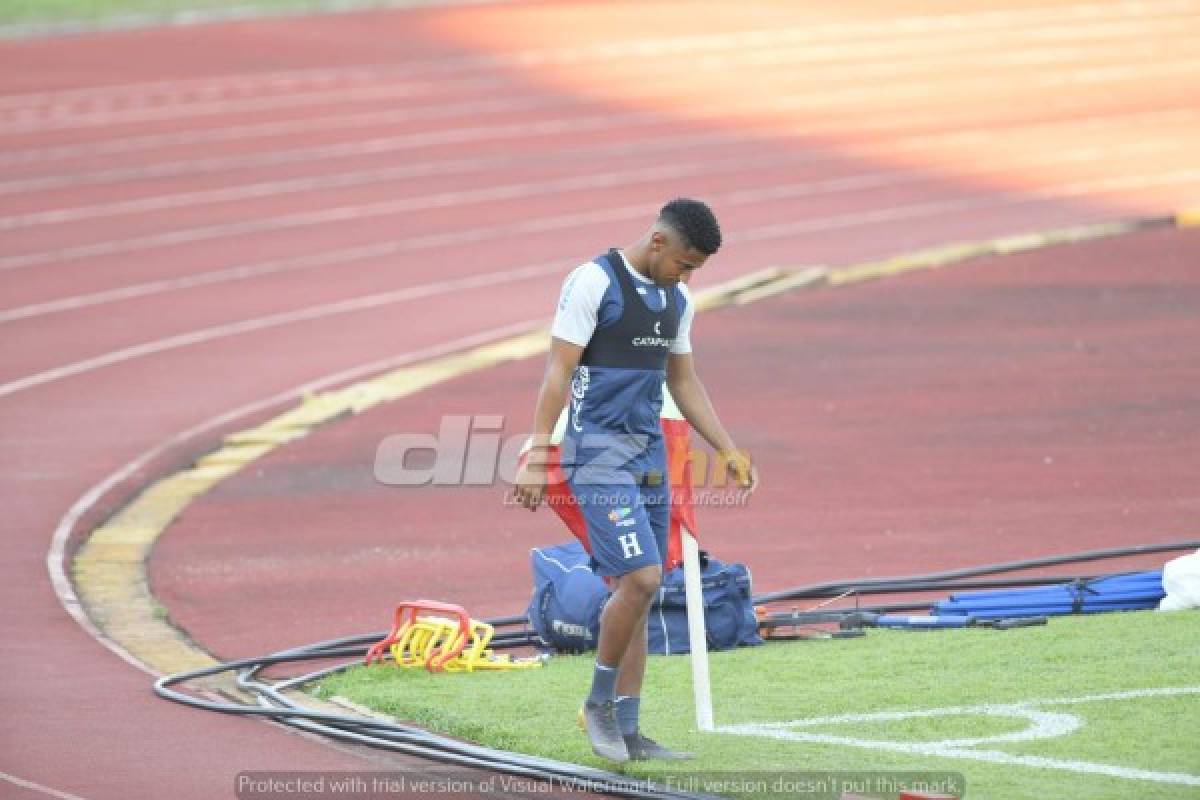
{"x":629,"y":544}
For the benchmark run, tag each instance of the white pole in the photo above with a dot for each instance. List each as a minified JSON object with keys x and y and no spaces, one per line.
{"x":697,"y":633}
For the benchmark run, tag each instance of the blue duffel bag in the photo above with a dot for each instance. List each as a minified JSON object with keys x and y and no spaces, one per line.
{"x":568,"y":599}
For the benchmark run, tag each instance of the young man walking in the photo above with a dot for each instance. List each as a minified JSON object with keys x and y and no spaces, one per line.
{"x":623,"y":324}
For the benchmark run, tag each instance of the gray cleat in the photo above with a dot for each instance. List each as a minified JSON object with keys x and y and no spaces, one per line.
{"x":600,"y":722}
{"x":643,"y":748}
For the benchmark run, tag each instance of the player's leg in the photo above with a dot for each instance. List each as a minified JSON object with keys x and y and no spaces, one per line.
{"x":656,"y":504}
{"x":623,"y":623}
{"x":633,"y":662}
{"x":623,"y":548}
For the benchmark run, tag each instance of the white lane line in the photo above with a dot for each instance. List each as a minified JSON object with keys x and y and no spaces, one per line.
{"x":836,"y":222}
{"x":37,"y":787}
{"x":325,"y":259}
{"x":152,"y":91}
{"x":972,"y":60}
{"x":940,"y":27}
{"x":365,"y":177}
{"x":892,"y":28}
{"x":335,"y":257}
{"x":813,"y":63}
{"x":305,"y":155}
{"x":323,"y":310}
{"x":338,"y":214}
{"x":308,"y":219}
{"x":903,"y":96}
{"x":56,"y":558}
{"x":1045,"y":725}
{"x":339,"y":97}
{"x":339,"y":180}
{"x":155,"y":16}
{"x":969,"y":137}
{"x":591,"y":180}
{"x":273,"y":128}
{"x":979,"y":202}
{"x":967,"y":42}
{"x":774,"y":56}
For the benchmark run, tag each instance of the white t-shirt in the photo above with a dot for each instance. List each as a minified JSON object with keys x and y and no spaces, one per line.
{"x":579,"y":305}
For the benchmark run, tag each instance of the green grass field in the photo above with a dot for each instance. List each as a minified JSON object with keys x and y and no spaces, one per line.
{"x":91,"y":11}
{"x":1139,"y":737}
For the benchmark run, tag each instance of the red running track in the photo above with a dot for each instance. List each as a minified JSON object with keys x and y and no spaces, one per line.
{"x":227,"y":212}
{"x":1002,"y":409}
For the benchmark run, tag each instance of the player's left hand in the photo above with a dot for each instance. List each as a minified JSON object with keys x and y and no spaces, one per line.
{"x":740,"y":468}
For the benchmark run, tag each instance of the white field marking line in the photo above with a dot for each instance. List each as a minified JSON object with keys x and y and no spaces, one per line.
{"x":363,"y":119}
{"x":366,"y":177}
{"x":850,"y":96}
{"x":456,"y":199}
{"x":837,"y":222}
{"x":614,"y":51}
{"x":1045,"y":725}
{"x":242,"y":106}
{"x":37,"y":787}
{"x":56,"y":555}
{"x":874,"y":64}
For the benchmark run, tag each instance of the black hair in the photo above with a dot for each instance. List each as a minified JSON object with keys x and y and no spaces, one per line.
{"x":695,"y":222}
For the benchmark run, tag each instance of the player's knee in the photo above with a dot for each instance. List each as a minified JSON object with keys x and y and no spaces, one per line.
{"x":642,"y":583}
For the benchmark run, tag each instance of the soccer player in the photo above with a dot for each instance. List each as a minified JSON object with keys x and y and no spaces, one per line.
{"x":622,"y":326}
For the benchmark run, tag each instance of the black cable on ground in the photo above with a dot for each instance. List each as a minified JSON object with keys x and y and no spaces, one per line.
{"x":388,"y":735}
{"x":940,"y":580}
{"x":273,"y":704}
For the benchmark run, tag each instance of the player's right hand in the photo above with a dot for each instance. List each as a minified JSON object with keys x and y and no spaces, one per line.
{"x":530,"y":486}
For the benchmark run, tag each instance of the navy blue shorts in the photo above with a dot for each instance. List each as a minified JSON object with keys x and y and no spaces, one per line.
{"x":627,"y":512}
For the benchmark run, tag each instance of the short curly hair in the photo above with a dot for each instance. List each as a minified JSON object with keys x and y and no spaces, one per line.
{"x":695,"y":222}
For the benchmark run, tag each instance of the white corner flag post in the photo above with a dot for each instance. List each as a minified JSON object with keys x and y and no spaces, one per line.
{"x":697,"y":633}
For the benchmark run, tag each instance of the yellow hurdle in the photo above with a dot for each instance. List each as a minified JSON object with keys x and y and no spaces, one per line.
{"x":452,"y":643}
